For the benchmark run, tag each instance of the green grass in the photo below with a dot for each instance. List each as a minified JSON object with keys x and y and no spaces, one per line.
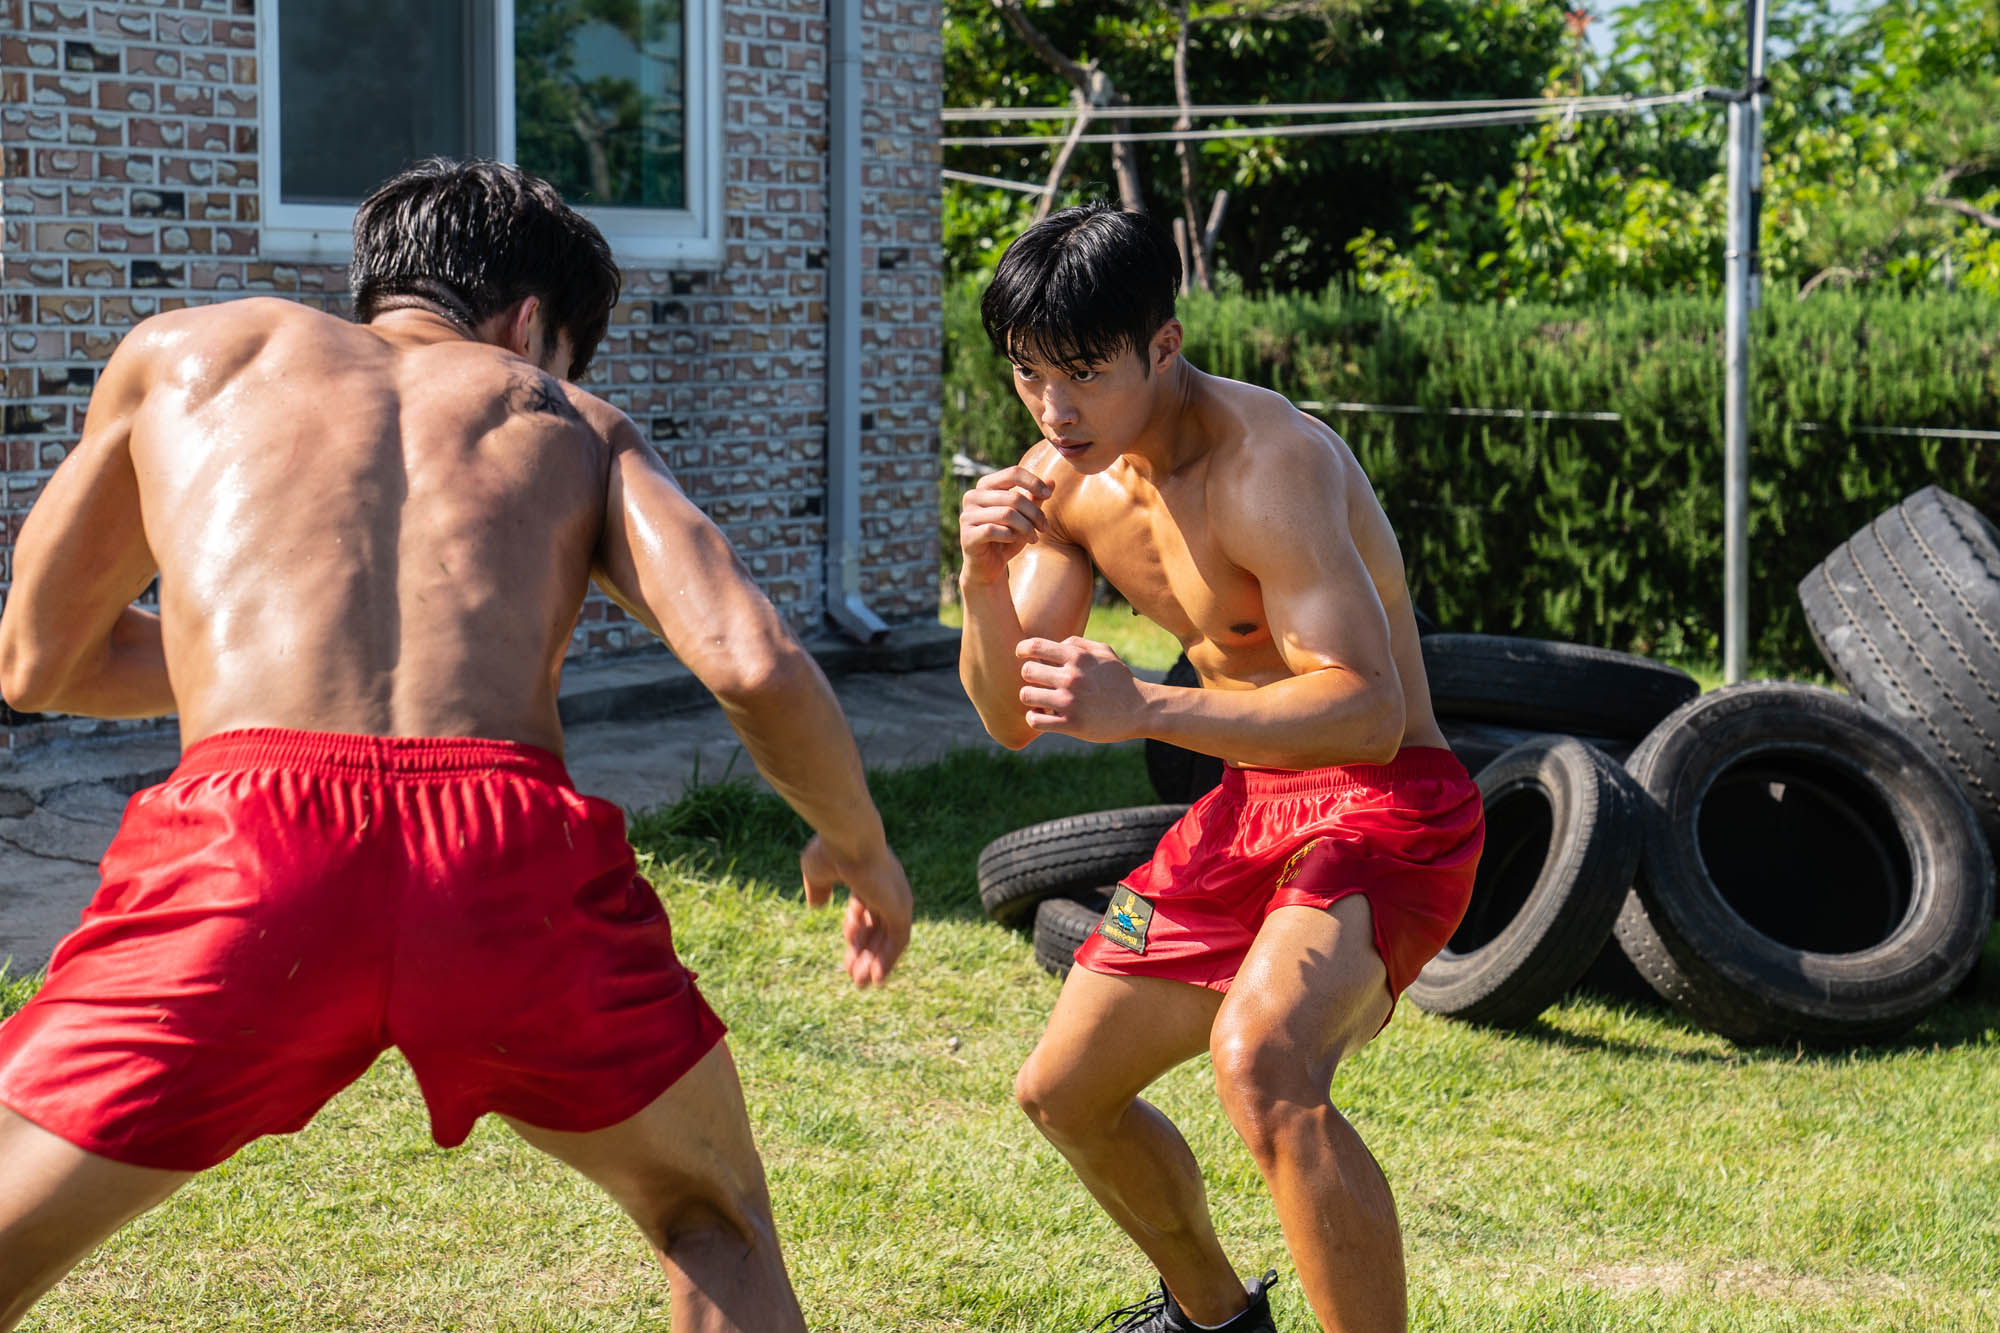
{"x":15,"y":989}
{"x":1137,"y":640}
{"x":1609,"y":1169}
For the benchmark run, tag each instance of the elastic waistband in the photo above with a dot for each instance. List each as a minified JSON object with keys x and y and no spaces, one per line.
{"x":1417,"y":762}
{"x":336,"y":755}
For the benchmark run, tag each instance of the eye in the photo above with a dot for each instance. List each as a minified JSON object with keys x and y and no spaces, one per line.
{"x":1084,"y":376}
{"x":1024,"y":373}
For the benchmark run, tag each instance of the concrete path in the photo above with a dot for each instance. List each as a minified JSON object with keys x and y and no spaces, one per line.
{"x":59,"y":809}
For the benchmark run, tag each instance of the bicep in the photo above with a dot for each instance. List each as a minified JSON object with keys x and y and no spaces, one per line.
{"x":1324,"y":610}
{"x":668,"y":564}
{"x":1050,"y":582}
{"x":82,"y":555}
{"x":1319,"y":594}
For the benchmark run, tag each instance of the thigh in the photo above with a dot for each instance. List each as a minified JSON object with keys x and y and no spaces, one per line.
{"x":59,"y":1203}
{"x":1313,"y":984}
{"x":1110,"y":1036}
{"x":689,"y":1150}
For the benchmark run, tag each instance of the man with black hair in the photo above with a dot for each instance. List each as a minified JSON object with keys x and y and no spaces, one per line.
{"x":372,"y":541}
{"x":1279,"y":920}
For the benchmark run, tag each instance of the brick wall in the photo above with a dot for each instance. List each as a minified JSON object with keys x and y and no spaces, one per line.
{"x":129,"y":178}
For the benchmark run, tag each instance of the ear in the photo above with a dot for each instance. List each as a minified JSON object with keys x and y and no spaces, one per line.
{"x":517,"y":331}
{"x":1166,"y":345}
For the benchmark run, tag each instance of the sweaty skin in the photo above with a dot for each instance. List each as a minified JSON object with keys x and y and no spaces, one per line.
{"x":388,"y":529}
{"x":1229,"y":518}
{"x":1246,"y":529}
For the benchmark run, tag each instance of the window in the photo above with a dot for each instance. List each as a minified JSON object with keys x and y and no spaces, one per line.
{"x":617,"y":102}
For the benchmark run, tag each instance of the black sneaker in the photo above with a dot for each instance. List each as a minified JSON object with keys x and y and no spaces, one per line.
{"x":1161,"y":1313}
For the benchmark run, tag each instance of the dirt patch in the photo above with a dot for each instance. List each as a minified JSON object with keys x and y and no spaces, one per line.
{"x":1759,"y":1280}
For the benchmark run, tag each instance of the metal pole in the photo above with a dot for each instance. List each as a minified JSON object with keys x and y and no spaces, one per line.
{"x":1741,"y":296}
{"x":844,"y":602}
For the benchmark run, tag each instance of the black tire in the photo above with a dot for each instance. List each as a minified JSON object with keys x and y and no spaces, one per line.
{"x":1613,"y":977}
{"x":1061,"y":927}
{"x":1907,"y":614}
{"x":1564,"y":829}
{"x":1478,"y":744}
{"x":1178,"y":774}
{"x":1814,"y":875}
{"x":1546,"y":686}
{"x":1068,"y":855}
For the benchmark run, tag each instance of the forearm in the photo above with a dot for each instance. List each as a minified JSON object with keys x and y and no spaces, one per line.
{"x":988,"y":667}
{"x":124,"y":675}
{"x":794,"y":731}
{"x":1307,"y":721}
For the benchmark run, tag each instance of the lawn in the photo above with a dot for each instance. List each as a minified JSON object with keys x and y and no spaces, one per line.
{"x":1141,"y":643}
{"x":1609,"y":1169}
{"x":1137,"y":640}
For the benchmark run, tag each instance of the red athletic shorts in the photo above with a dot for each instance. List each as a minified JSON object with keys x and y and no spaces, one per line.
{"x":290,"y":904}
{"x":1405,"y":835}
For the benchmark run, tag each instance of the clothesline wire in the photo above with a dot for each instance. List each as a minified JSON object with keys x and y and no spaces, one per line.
{"x":1544,"y":110}
{"x":1070,"y":111}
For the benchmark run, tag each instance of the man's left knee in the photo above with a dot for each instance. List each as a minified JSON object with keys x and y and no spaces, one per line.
{"x":1267,"y":1082}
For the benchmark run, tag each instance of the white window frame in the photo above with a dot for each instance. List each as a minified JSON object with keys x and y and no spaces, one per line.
{"x":324,"y":233}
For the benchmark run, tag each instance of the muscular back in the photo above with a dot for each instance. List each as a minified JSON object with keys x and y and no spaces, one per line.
{"x":359,"y":533}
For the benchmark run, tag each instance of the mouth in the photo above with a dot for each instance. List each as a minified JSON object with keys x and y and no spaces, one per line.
{"x":1070,"y":448}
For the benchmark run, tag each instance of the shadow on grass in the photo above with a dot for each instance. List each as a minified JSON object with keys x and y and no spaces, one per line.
{"x":938,"y":817}
{"x":1969,"y":1018}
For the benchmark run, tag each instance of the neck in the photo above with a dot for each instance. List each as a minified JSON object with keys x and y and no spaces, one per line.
{"x":415,"y":318}
{"x":1166,"y":443}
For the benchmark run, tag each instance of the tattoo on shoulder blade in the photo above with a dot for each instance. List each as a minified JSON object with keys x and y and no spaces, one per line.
{"x":540,"y":393}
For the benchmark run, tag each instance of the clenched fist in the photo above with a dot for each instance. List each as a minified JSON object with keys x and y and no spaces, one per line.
{"x":999,"y":516}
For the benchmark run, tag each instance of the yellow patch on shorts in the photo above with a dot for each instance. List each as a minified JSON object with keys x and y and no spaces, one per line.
{"x":1126,"y":920}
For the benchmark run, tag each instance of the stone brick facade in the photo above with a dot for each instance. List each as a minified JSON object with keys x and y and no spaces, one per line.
{"x":129,"y":184}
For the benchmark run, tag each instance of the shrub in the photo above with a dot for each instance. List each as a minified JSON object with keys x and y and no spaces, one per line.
{"x":1600,"y":531}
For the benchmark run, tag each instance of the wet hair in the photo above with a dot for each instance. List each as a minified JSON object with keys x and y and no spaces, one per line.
{"x":1081,"y":287}
{"x":471,"y":238}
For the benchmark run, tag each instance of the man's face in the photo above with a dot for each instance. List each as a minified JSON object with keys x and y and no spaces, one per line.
{"x":1090,"y":414}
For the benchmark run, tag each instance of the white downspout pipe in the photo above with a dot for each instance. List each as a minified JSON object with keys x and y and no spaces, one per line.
{"x":844,"y":604}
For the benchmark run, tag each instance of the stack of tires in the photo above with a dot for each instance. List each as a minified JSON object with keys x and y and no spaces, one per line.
{"x":1780,"y":862}
{"x":1056,"y":877}
{"x":1816,"y":865}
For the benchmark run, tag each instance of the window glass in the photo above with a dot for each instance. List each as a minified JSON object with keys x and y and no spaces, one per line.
{"x":369,"y":86}
{"x":600,"y":99}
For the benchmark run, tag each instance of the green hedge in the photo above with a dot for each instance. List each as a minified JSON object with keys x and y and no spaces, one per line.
{"x":1600,"y":532}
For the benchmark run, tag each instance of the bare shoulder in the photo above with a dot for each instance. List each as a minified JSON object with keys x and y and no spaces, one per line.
{"x":199,"y":349}
{"x":1067,"y":507}
{"x":523,"y":391}
{"x":608,"y":422}
{"x":1269,"y":460}
{"x":216,"y":327}
{"x":1042,"y":460}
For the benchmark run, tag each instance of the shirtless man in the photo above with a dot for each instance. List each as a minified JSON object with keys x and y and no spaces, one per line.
{"x":372,"y":542}
{"x":1280,"y":919}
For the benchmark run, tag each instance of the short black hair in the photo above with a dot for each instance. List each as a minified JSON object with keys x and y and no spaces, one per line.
{"x":1081,"y":287}
{"x":474,"y":237}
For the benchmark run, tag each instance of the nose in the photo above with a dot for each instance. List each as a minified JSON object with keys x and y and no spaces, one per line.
{"x":1057,"y":409}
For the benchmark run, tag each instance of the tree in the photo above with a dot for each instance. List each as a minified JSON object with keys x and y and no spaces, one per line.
{"x":1293,"y":202}
{"x":1881,"y":156}
{"x":602,"y":138}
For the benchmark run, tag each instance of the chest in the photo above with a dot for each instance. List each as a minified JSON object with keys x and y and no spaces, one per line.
{"x":1162,"y":552}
